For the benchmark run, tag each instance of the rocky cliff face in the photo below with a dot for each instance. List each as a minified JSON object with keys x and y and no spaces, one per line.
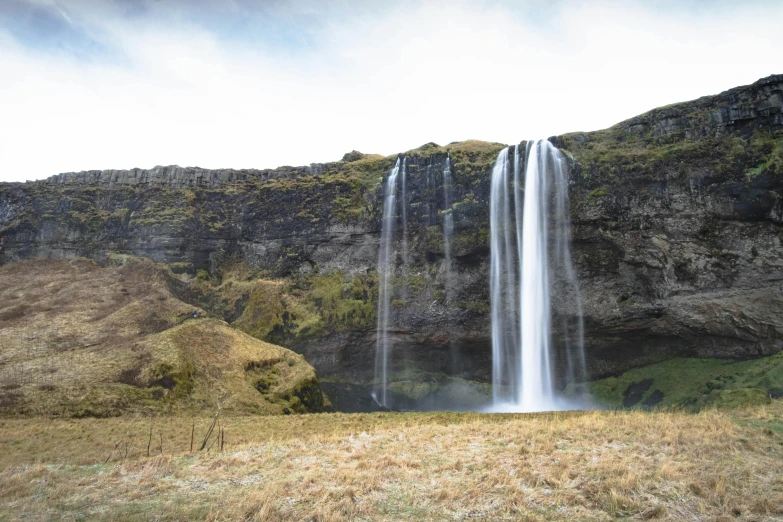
{"x":174,"y":176}
{"x":677,"y":241}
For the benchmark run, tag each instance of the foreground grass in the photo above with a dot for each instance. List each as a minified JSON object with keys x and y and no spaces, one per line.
{"x":400,"y":466}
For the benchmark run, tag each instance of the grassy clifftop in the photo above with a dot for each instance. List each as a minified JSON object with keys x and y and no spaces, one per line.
{"x":80,"y":340}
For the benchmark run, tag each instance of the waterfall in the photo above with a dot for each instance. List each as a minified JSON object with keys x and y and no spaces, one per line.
{"x":448,"y":223}
{"x":521,"y":279}
{"x":385,"y":284}
{"x":404,"y":204}
{"x":568,"y":284}
{"x":448,"y":231}
{"x":502,"y":284}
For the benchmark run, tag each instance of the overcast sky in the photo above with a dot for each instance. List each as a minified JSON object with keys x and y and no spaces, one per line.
{"x":88,"y":84}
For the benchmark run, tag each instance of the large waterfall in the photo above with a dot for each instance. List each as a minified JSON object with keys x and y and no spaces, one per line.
{"x":530,"y":268}
{"x":524,"y":267}
{"x":385,"y":285}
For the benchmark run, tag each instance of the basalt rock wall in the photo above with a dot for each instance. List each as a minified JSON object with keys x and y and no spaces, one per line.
{"x":677,"y":240}
{"x":174,"y":176}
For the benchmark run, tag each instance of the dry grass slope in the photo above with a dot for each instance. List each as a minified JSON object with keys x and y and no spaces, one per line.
{"x":80,"y":340}
{"x":413,"y":466}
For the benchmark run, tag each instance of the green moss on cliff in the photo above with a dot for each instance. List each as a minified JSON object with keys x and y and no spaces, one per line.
{"x":611,"y":154}
{"x":163,"y":208}
{"x":286,"y":310}
{"x":597,"y":193}
{"x":344,"y":302}
{"x":476,"y":306}
{"x":770,"y":148}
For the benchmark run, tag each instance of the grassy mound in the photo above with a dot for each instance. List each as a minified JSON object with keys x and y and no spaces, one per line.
{"x":695,"y":383}
{"x":80,"y":340}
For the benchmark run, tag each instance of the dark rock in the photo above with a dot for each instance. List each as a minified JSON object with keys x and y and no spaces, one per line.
{"x":635,"y":391}
{"x":654,"y":398}
{"x":350,"y":398}
{"x":354,"y":155}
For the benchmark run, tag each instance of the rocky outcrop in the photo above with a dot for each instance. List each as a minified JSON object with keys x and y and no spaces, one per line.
{"x":174,"y":176}
{"x":677,"y":229}
{"x":739,"y":110}
{"x":677,"y":242}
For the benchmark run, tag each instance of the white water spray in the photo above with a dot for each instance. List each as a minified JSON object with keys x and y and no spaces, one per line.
{"x":404,"y":204}
{"x":385,"y":287}
{"x":448,"y":231}
{"x":520,"y":279}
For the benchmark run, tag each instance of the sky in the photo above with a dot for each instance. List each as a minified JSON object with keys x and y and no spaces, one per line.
{"x":117,"y":84}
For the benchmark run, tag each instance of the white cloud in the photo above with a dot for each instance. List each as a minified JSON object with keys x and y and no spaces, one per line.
{"x":377,"y":82}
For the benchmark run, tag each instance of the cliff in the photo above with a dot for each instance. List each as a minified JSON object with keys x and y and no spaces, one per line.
{"x":174,"y":176}
{"x":677,"y":236}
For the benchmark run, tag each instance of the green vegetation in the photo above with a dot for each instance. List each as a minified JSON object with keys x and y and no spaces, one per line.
{"x":612,"y":154}
{"x":478,"y":306}
{"x":773,"y":148}
{"x":697,"y":383}
{"x":416,"y":384}
{"x":597,"y":193}
{"x":286,"y":310}
{"x":344,"y":302}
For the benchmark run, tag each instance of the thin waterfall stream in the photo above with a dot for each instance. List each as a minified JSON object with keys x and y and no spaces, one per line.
{"x":386,"y":257}
{"x":448,"y":231}
{"x":404,"y":205}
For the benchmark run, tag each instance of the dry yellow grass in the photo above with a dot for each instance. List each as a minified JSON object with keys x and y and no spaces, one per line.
{"x":226,"y":362}
{"x":411,"y":466}
{"x":80,"y":340}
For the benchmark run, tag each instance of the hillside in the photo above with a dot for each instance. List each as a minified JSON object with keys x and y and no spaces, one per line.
{"x":80,"y":340}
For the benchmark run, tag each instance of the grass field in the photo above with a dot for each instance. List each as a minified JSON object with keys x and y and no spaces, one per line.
{"x":714,"y":465}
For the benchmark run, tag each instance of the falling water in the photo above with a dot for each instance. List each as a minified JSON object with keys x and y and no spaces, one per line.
{"x":385,"y":286}
{"x":520,"y":278}
{"x":404,"y":204}
{"x":502,"y":282}
{"x":448,"y":222}
{"x":568,"y":284}
{"x":448,"y":231}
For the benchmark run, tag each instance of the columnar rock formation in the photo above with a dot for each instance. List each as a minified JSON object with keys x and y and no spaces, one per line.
{"x":176,"y":177}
